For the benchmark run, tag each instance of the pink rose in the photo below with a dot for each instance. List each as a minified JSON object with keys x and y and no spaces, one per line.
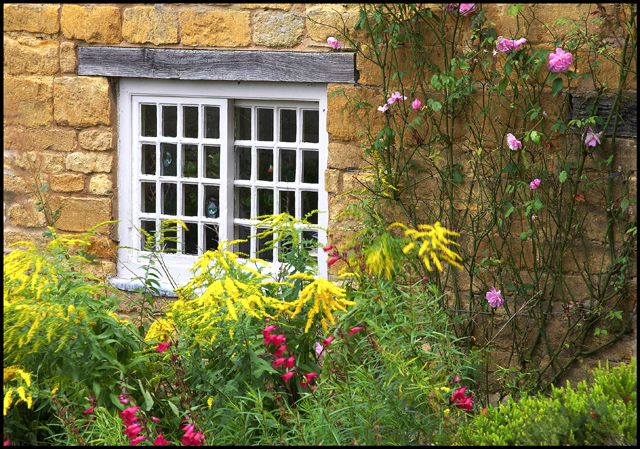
{"x":462,"y":8}
{"x":495,"y":298}
{"x":334,"y":43}
{"x":592,"y":139}
{"x":513,"y":143}
{"x":560,"y":61}
{"x":504,"y":45}
{"x":416,"y":104}
{"x":535,"y":184}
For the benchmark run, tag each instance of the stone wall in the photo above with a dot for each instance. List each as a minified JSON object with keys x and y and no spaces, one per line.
{"x":65,"y":125}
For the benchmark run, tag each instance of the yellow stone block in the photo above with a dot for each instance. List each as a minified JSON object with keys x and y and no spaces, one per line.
{"x":215,"y":28}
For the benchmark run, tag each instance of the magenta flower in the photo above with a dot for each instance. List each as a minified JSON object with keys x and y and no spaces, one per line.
{"x":289,"y":362}
{"x":287,"y":376}
{"x":328,"y":248}
{"x":310,"y":376}
{"x":592,"y":139}
{"x":155,"y":419}
{"x":334,"y":43}
{"x":133,"y":430}
{"x":462,"y":401}
{"x":162,"y":347}
{"x":267,"y":330}
{"x":513,"y":143}
{"x":123,"y":399}
{"x":160,"y":441}
{"x":189,"y":438}
{"x":416,"y":104}
{"x":535,"y":184}
{"x":462,"y":8}
{"x":384,"y":108}
{"x":507,"y":45}
{"x":278,"y":362}
{"x":89,"y":410}
{"x":135,"y":441}
{"x":276,"y":340}
{"x":280,"y":351}
{"x":333,"y":259}
{"x":560,"y":61}
{"x":397,"y":96}
{"x":353,"y":330}
{"x":466,"y":404}
{"x":327,"y":341}
{"x":7,"y":443}
{"x":495,"y":298}
{"x":127,"y":415}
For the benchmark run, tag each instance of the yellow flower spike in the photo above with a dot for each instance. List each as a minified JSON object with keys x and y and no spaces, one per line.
{"x":7,"y":401}
{"x":408,"y":248}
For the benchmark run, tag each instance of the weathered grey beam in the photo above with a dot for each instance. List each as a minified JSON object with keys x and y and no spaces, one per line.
{"x":627,"y":127}
{"x":217,"y":65}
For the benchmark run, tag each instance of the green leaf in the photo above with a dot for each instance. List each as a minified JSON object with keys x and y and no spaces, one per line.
{"x":507,"y":69}
{"x":624,"y":204}
{"x":535,"y":136}
{"x":508,"y":212}
{"x":511,"y":287}
{"x":537,"y":204}
{"x":173,"y":407}
{"x":513,"y":9}
{"x":556,"y":86}
{"x":502,"y":86}
{"x":563,"y":176}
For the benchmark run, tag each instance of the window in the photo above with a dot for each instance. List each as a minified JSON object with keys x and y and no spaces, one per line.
{"x":215,"y":155}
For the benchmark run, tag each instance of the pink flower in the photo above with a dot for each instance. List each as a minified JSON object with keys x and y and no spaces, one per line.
{"x":319,"y":350}
{"x":135,"y":441}
{"x":127,"y":415}
{"x":155,"y":419}
{"x":334,"y":43}
{"x":535,"y":184}
{"x":289,"y":363}
{"x":395,"y":97}
{"x":353,"y":330}
{"x":333,"y":259}
{"x":160,"y":441}
{"x":89,"y":410}
{"x":310,"y":376}
{"x":458,"y":394}
{"x":592,"y":139}
{"x":6,"y":443}
{"x":278,"y":362}
{"x":513,"y":143}
{"x":507,"y":45}
{"x":133,"y":430}
{"x":287,"y":376}
{"x":162,"y":347}
{"x":495,"y":298}
{"x":518,"y":43}
{"x":123,"y":399}
{"x":328,"y":248}
{"x":280,"y":351}
{"x":278,"y":339}
{"x":313,"y":387}
{"x":462,"y":8}
{"x":327,"y":341}
{"x":267,"y":330}
{"x":466,"y":404}
{"x":416,"y":104}
{"x":484,"y":410}
{"x":560,"y":61}
{"x":462,"y":401}
{"x":304,"y":384}
{"x":384,"y":108}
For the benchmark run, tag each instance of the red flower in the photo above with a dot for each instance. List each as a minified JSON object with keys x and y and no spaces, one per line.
{"x":280,"y":351}
{"x":278,"y":362}
{"x":289,"y":362}
{"x":310,"y":376}
{"x":328,"y":248}
{"x":332,"y":261}
{"x":89,"y":410}
{"x":133,"y":430}
{"x":135,"y":441}
{"x":353,"y":330}
{"x":277,"y":340}
{"x":162,"y":347}
{"x":460,"y":400}
{"x":287,"y":376}
{"x":155,"y":419}
{"x":327,"y":341}
{"x":304,"y":384}
{"x":458,"y":394}
{"x":160,"y":441}
{"x":267,"y":330}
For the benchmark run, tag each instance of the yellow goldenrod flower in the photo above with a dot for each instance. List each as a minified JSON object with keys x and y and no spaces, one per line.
{"x":7,"y":401}
{"x":161,"y":330}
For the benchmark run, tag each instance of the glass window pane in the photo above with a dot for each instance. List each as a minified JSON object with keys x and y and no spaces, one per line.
{"x":309,"y":202}
{"x":288,"y":125}
{"x":150,"y":227}
{"x":265,"y":124}
{"x":265,"y":202}
{"x":310,"y":167}
{"x":243,"y":163}
{"x":242,"y":232}
{"x":169,"y":121}
{"x":310,"y":126}
{"x":310,"y":242}
{"x":190,"y":200}
{"x":148,"y":199}
{"x":190,"y":238}
{"x":148,"y":120}
{"x":243,"y":123}
{"x":212,"y":122}
{"x":190,"y":161}
{"x":211,"y":237}
{"x":212,"y":162}
{"x":211,"y":201}
{"x":170,"y":237}
{"x":288,"y":165}
{"x":190,"y":121}
{"x":262,"y":252}
{"x":168,"y":201}
{"x":288,"y":202}
{"x":265,"y":164}
{"x":148,"y":159}
{"x":242,"y":202}
{"x":169,"y":154}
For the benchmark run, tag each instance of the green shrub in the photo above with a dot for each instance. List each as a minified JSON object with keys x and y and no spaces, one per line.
{"x":602,"y":412}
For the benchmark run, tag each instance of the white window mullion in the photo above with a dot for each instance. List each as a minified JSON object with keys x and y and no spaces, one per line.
{"x":227,"y":171}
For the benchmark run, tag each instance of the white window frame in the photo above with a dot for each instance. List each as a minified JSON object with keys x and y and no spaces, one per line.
{"x":227,"y":94}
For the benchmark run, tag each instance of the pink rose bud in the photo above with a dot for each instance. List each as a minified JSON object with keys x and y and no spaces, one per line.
{"x":416,"y":104}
